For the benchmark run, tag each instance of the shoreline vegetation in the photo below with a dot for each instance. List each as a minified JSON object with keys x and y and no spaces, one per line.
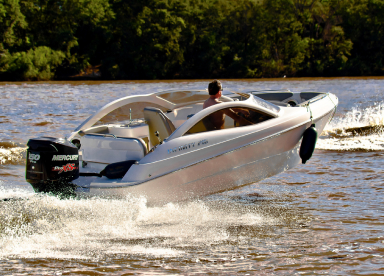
{"x":190,"y":39}
{"x":101,"y":81}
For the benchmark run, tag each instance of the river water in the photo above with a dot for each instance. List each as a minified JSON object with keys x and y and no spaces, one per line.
{"x":324,"y":217}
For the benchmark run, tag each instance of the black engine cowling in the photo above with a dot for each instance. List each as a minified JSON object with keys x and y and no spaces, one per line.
{"x":52,"y":163}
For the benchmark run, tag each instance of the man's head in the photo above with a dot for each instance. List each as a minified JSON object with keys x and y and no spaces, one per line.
{"x":214,"y":87}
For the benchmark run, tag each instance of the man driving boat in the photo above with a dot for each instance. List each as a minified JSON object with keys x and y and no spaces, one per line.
{"x":218,"y":118}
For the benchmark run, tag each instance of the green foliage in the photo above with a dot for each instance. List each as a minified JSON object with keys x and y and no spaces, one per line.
{"x":11,"y":22}
{"x":364,"y":25}
{"x":145,"y":41}
{"x":329,"y":49}
{"x":36,"y":64}
{"x":157,"y":39}
{"x":284,"y":46}
{"x":74,"y":27}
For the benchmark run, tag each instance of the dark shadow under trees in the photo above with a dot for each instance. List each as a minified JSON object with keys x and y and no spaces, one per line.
{"x":168,"y":39}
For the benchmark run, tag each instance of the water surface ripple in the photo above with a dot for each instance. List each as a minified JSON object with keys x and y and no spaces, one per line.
{"x":324,"y":217}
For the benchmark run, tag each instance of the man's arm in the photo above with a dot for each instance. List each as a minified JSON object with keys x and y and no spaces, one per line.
{"x":229,"y":112}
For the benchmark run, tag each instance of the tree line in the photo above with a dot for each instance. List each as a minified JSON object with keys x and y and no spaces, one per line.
{"x":168,"y":39}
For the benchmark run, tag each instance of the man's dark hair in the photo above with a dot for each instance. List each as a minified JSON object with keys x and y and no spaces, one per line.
{"x":214,"y":87}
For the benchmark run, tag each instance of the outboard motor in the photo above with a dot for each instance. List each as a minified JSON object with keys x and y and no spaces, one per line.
{"x":52,"y":163}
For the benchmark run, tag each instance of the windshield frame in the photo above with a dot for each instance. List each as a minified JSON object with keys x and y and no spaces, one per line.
{"x":265,"y":104}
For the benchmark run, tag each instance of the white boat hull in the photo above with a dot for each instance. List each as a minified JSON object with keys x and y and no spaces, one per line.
{"x":232,"y":170}
{"x":173,"y":151}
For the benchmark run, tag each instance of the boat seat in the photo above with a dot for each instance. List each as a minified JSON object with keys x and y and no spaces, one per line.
{"x":107,"y":148}
{"x":158,"y":121}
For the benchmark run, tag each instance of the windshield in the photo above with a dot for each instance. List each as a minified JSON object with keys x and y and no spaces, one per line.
{"x":265,"y":104}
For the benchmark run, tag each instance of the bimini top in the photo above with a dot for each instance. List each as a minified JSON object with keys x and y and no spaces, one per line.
{"x":131,"y":108}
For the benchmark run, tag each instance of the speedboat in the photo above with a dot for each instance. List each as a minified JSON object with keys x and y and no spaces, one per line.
{"x":166,"y":147}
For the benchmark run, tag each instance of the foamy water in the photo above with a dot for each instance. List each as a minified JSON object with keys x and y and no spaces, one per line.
{"x":324,"y":217}
{"x":42,"y":226}
{"x":338,"y":135}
